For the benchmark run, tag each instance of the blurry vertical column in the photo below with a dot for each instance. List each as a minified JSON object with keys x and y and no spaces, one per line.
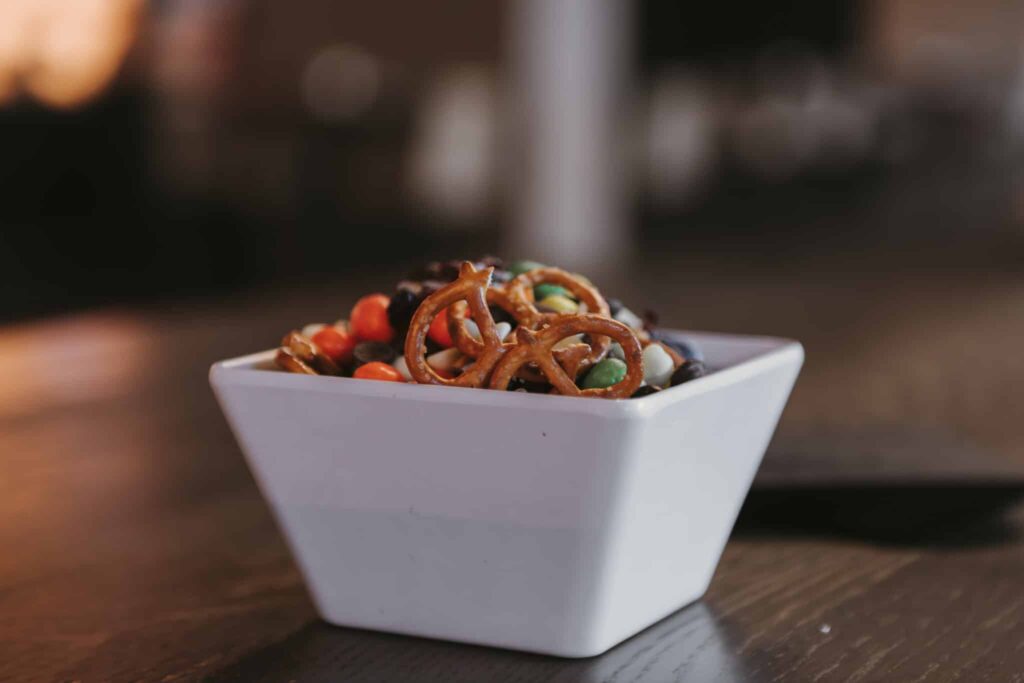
{"x":208,"y":236}
{"x":569,"y":72}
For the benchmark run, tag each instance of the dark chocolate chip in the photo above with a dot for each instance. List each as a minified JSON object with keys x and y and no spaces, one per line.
{"x":645,"y":390}
{"x":682,"y":346}
{"x":500,"y":315}
{"x":691,"y":369}
{"x":404,"y":303}
{"x":650,"y":319}
{"x":614,"y":306}
{"x":533,"y":387}
{"x":369,"y":351}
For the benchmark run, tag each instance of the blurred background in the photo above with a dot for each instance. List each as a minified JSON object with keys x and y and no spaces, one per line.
{"x":207,"y":174}
{"x":183,"y":181}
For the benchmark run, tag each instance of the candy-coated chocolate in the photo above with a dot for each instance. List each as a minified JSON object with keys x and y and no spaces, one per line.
{"x":403,"y":368}
{"x":438,"y":331}
{"x":658,"y":365}
{"x":336,"y":343}
{"x":546,"y":289}
{"x":628,"y":317}
{"x":606,"y":373}
{"x":311,"y":329}
{"x":570,"y":341}
{"x":501,"y":328}
{"x":520,"y":267}
{"x":369,"y":319}
{"x":444,"y":360}
{"x":558,"y":304}
{"x":379,"y":371}
{"x":472,"y":329}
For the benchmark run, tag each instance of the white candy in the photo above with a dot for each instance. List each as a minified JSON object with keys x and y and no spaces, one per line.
{"x":403,"y":368}
{"x":567,"y":342}
{"x":615,"y":351}
{"x":658,"y":365}
{"x":501,"y":328}
{"x":444,"y":360}
{"x":312,"y":328}
{"x":628,"y":317}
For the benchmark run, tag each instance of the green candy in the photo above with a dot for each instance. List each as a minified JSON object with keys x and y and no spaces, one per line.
{"x":606,"y":373}
{"x":520,"y":267}
{"x":559,"y":304}
{"x":544,"y":290}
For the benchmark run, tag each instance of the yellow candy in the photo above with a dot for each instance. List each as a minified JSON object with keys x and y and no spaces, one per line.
{"x":561,"y":304}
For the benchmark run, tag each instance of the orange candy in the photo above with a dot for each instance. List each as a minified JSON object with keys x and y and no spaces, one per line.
{"x":369,"y":319}
{"x":378,"y":370}
{"x":336,"y":343}
{"x":438,"y":330}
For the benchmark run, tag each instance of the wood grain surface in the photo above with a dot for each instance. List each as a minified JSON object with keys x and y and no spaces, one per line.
{"x":134,"y":545}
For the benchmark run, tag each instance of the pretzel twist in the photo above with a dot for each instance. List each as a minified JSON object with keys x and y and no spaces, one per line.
{"x":471,"y":286}
{"x":516,"y":298}
{"x":521,"y":287}
{"x":496,"y":296}
{"x":536,"y":347}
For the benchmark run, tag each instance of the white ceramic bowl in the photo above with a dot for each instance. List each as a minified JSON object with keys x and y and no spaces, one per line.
{"x":552,"y":524}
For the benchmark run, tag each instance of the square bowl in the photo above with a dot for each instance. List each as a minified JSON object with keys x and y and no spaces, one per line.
{"x":552,"y":524}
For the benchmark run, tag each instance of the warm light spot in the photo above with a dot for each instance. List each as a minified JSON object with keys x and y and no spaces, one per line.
{"x":70,"y":360}
{"x":64,"y":52}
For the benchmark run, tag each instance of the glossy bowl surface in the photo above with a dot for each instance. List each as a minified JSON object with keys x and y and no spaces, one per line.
{"x":552,"y":524}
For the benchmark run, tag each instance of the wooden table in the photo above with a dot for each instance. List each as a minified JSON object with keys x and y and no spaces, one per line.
{"x":134,"y":546}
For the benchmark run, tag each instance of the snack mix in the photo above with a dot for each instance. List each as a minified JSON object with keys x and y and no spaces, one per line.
{"x":527,"y":328}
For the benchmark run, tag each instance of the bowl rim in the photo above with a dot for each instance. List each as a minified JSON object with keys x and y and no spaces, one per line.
{"x":248,"y":370}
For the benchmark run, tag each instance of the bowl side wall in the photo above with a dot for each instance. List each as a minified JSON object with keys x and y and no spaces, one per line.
{"x":680,"y":493}
{"x":451,"y":521}
{"x":555,"y":525}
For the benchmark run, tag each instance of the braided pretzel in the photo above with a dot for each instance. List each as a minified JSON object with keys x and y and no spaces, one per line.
{"x":535,"y":347}
{"x":471,"y":286}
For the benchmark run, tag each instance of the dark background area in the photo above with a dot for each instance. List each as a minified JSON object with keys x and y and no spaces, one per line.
{"x":203,"y":166}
